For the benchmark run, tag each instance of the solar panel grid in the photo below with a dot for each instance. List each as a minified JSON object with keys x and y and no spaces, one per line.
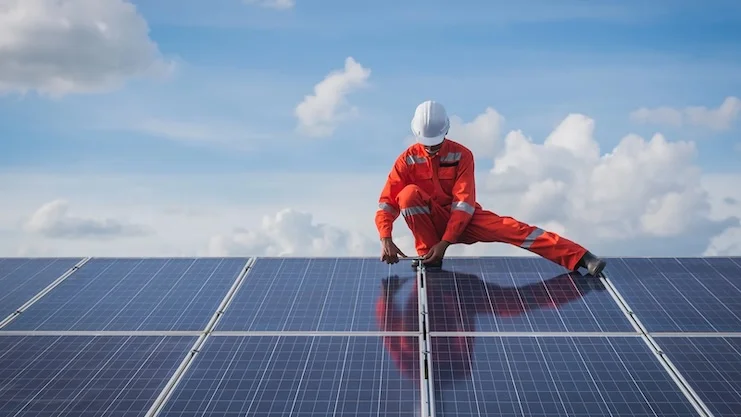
{"x":22,"y":278}
{"x":300,"y":294}
{"x":343,"y":294}
{"x":293,"y":375}
{"x":135,"y":294}
{"x":687,"y":294}
{"x":491,"y":295}
{"x":85,"y":375}
{"x":553,"y":376}
{"x":712,"y":367}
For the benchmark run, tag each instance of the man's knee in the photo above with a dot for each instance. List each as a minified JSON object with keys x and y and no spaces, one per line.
{"x":410,"y":196}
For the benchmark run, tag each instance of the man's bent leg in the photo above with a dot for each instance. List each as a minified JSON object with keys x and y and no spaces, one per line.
{"x":486,"y":226}
{"x":422,"y":216}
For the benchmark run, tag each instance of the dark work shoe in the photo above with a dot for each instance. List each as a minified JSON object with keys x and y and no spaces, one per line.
{"x":592,"y":264}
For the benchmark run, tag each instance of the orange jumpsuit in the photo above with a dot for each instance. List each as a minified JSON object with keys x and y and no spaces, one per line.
{"x":437,"y":198}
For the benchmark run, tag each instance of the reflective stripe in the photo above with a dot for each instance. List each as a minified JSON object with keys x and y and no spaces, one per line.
{"x":531,"y":238}
{"x":388,"y":207}
{"x":462,"y":206}
{"x":451,"y":157}
{"x":410,"y":211}
{"x":413,"y":159}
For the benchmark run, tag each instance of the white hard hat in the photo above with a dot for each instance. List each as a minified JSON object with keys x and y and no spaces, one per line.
{"x":430,"y":123}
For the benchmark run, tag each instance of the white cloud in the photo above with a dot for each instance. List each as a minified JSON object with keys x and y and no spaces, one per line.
{"x":57,"y":47}
{"x":53,"y":220}
{"x":481,"y":135}
{"x":720,"y":118}
{"x":643,"y":197}
{"x":291,"y":233}
{"x":319,"y":114}
{"x":273,"y":4}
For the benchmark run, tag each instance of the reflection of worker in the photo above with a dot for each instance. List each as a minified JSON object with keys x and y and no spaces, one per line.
{"x":431,"y":184}
{"x":453,"y":305}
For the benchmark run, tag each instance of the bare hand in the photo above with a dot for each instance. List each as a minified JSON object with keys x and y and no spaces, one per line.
{"x":390,"y":252}
{"x":436,"y":253}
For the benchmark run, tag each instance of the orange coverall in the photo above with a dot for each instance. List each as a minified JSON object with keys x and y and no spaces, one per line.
{"x":437,"y":198}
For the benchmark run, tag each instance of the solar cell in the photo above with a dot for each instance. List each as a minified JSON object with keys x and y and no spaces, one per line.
{"x":323,"y":294}
{"x":680,"y":295}
{"x":85,"y":375}
{"x":135,"y":294}
{"x":22,"y":278}
{"x":519,"y":295}
{"x":293,"y":375}
{"x":712,"y":367}
{"x":552,"y":376}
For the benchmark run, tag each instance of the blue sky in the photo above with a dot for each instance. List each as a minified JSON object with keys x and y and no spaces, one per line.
{"x":247,"y":67}
{"x":216,"y":113}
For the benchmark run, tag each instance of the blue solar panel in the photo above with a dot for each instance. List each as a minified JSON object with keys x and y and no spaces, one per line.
{"x":341,"y":294}
{"x":294,"y":375}
{"x":712,"y":367}
{"x":552,"y":376}
{"x":135,"y":294}
{"x":516,"y":295}
{"x":84,"y":375}
{"x":23,"y":278}
{"x":692,"y":294}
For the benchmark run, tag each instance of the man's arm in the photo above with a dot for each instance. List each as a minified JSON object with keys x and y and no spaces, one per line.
{"x":464,"y":199}
{"x":388,"y":209}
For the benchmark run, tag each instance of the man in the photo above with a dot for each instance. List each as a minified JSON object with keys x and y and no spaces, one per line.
{"x":432,"y":186}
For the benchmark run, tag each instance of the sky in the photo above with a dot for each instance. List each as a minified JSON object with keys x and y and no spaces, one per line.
{"x":268,"y":127}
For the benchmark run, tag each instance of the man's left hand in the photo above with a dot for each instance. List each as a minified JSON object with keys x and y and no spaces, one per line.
{"x":436,"y":253}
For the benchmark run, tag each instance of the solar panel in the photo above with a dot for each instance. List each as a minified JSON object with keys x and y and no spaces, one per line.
{"x":22,"y":278}
{"x":680,"y":295}
{"x":294,"y":375}
{"x":712,"y":367}
{"x":516,"y":295}
{"x":552,"y":376}
{"x":135,"y":294}
{"x":344,"y":294}
{"x":85,"y":375}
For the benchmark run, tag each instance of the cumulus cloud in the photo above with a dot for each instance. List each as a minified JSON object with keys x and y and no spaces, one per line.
{"x":53,"y":220}
{"x":292,"y":233}
{"x":719,"y":119}
{"x":57,"y":47}
{"x":319,"y":114}
{"x":644,"y":196}
{"x":481,"y":134}
{"x":272,"y":4}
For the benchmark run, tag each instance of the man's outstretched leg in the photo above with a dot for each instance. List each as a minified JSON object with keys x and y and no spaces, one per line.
{"x":486,"y":226}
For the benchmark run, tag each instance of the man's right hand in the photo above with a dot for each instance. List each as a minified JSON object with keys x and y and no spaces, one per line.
{"x":390,"y":252}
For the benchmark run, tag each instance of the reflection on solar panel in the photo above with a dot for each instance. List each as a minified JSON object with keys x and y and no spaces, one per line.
{"x":669,"y":295}
{"x":22,"y":278}
{"x":314,"y":295}
{"x":323,"y":336}
{"x":135,"y":294}
{"x":294,"y":375}
{"x":712,"y":367}
{"x":85,"y":375}
{"x":515,"y":295}
{"x":553,"y":376}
